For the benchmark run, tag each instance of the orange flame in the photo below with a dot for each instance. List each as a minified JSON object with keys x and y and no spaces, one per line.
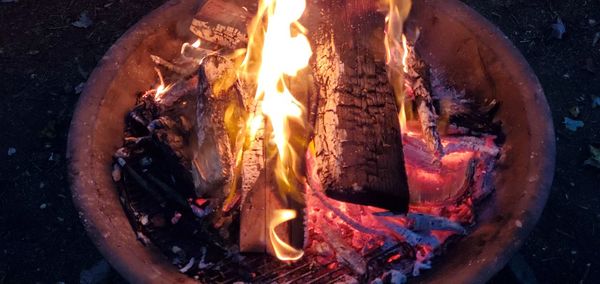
{"x":395,"y":42}
{"x":404,"y":54}
{"x":283,"y":251}
{"x":280,"y":54}
{"x":277,"y":50}
{"x":197,"y":43}
{"x":161,"y":89}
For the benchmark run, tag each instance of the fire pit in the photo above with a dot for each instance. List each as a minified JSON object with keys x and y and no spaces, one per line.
{"x":473,"y":54}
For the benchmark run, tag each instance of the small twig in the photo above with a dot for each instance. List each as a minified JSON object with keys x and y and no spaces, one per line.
{"x":170,"y":66}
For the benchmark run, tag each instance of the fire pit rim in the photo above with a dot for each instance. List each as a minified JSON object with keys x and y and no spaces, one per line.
{"x":136,"y":263}
{"x":140,"y":264}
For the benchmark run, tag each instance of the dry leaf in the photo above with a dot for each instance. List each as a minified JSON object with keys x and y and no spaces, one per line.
{"x":84,"y":21}
{"x":572,"y":124}
{"x":594,"y":159}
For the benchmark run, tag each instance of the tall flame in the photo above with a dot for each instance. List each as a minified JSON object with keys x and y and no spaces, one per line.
{"x":284,"y":51}
{"x":283,"y":251}
{"x":397,"y":51}
{"x":277,"y":49}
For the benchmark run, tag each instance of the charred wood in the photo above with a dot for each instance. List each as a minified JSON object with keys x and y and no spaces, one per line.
{"x":213,"y":159}
{"x":359,"y":153}
{"x":222,"y":24}
{"x":419,"y":81}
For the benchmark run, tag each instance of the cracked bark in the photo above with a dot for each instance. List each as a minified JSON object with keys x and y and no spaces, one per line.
{"x":357,"y":132}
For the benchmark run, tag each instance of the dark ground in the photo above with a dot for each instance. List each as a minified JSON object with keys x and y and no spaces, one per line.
{"x":43,"y":58}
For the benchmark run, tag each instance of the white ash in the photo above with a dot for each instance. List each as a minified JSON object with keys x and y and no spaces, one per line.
{"x":143,"y":238}
{"x":422,"y":262}
{"x":116,"y":173}
{"x":409,"y":236}
{"x":188,"y":265}
{"x":201,"y":263}
{"x":144,"y":219}
{"x":426,"y":223}
{"x":122,"y":153}
{"x":175,"y":218}
{"x":347,"y":279}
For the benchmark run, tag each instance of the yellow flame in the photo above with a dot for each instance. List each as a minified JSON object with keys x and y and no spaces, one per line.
{"x":402,"y":117}
{"x":277,"y":49}
{"x":161,"y":89}
{"x":397,"y":51}
{"x":404,"y":54}
{"x":197,"y":43}
{"x":283,"y":251}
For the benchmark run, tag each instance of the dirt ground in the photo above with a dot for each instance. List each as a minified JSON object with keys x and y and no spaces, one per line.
{"x":43,"y":58}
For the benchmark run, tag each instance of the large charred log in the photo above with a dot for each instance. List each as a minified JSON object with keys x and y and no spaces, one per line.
{"x":358,"y":150}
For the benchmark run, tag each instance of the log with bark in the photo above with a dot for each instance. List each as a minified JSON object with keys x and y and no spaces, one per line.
{"x":357,"y":132}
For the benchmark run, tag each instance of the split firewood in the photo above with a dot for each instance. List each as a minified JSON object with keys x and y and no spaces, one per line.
{"x":418,"y":78}
{"x":216,"y":127}
{"x":221,"y":23}
{"x":358,"y":149}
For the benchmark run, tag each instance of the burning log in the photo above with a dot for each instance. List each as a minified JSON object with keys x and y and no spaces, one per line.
{"x":358,"y":152}
{"x":217,"y":114}
{"x":222,"y":29}
{"x":418,"y":79}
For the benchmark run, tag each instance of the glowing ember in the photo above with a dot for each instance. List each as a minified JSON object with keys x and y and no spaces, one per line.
{"x":161,"y":89}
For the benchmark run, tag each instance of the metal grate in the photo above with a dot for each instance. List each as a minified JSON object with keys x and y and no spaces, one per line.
{"x":266,"y":269}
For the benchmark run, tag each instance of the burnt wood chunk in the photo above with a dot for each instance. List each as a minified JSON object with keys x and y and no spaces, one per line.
{"x":221,"y":23}
{"x":217,"y":110}
{"x":418,"y":78}
{"x":357,"y":132}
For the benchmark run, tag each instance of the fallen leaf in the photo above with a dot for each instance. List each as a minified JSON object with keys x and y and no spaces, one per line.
{"x":79,"y":88}
{"x":96,"y":274}
{"x":589,"y":65}
{"x":84,"y":21}
{"x":595,"y":101}
{"x":572,"y":124}
{"x":574,"y":111}
{"x":558,"y":28}
{"x":596,"y":39}
{"x":594,"y":159}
